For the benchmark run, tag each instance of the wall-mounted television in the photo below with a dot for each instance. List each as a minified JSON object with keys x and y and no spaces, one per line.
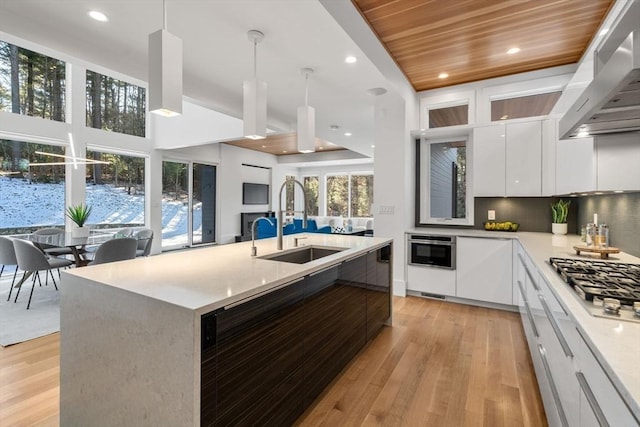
{"x":255,"y":194}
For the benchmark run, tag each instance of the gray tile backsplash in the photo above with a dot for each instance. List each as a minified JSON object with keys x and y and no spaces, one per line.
{"x":621,"y":212}
{"x":532,"y":213}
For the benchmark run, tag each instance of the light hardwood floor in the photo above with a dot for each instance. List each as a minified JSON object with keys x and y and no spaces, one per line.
{"x":441,"y":364}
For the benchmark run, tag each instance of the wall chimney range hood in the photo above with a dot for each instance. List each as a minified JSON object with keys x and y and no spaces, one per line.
{"x":611,"y":102}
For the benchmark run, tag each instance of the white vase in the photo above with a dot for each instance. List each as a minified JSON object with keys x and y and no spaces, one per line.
{"x":557,"y":228}
{"x":80,"y":232}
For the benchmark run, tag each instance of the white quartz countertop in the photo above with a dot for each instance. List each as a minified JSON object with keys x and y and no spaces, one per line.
{"x":615,"y":343}
{"x":208,"y":278}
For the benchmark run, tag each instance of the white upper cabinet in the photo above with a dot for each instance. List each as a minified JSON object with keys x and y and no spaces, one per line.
{"x":575,"y":166}
{"x":618,"y":162}
{"x":524,"y":159}
{"x":489,"y":161}
{"x":508,"y":159}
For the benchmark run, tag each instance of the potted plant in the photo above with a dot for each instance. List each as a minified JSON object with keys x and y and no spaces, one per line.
{"x":79,"y":215}
{"x":559,"y":211}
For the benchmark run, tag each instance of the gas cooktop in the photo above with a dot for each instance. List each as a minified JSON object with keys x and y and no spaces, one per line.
{"x":608,"y":289}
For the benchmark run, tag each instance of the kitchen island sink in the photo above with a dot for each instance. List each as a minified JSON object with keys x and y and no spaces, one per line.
{"x":304,"y":254}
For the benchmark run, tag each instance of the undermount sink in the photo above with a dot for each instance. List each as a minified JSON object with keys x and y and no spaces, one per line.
{"x":303,"y":254}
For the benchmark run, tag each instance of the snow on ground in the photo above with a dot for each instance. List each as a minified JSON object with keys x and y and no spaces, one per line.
{"x":37,"y":204}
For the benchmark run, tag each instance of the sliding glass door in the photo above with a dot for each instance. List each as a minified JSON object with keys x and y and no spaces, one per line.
{"x":203,"y":211}
{"x":188,"y":204}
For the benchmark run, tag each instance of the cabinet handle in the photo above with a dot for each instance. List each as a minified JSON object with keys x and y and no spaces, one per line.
{"x":585,"y":342}
{"x":315,"y":273}
{"x":531,"y":320}
{"x":593,"y":402}
{"x":522,"y":291}
{"x":526,"y":269}
{"x":555,"y":327}
{"x":261,"y":294}
{"x":554,"y":390}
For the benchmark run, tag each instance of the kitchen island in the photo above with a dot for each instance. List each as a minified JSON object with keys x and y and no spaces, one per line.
{"x":213,"y":335}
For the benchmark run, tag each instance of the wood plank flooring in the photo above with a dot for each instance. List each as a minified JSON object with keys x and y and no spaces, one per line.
{"x":441,"y":364}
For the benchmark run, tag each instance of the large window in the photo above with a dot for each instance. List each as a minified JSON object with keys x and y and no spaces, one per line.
{"x":350,"y":195}
{"x":442,"y":193}
{"x":290,"y":191}
{"x":361,"y":195}
{"x":204,"y":204}
{"x":115,"y":105}
{"x":311,"y":187}
{"x":115,"y":191}
{"x":32,"y":187}
{"x":31,"y":84}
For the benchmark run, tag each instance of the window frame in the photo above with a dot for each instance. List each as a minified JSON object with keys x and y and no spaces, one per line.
{"x":348,"y":175}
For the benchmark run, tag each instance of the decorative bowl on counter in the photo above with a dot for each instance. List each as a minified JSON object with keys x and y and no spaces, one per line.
{"x":501,"y":226}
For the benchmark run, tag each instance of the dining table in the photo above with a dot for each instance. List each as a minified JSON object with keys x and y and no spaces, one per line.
{"x":76,"y":244}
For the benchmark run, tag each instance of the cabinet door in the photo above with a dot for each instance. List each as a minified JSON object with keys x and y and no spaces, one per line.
{"x":352,"y":275}
{"x":484,"y":270}
{"x":618,"y":159}
{"x":259,"y":348}
{"x":489,"y":161}
{"x":575,"y":166}
{"x":323,"y":300}
{"x":378,"y":290}
{"x":524,"y":159}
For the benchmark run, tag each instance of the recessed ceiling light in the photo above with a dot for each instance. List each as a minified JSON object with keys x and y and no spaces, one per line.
{"x":320,"y":148}
{"x":618,"y":191}
{"x":373,"y":146}
{"x":582,"y":134}
{"x":264,"y":146}
{"x":443,"y":75}
{"x":284,"y":151}
{"x":350,"y":59}
{"x":513,"y":50}
{"x":347,"y":134}
{"x":505,"y":117}
{"x":603,"y":31}
{"x":98,"y":16}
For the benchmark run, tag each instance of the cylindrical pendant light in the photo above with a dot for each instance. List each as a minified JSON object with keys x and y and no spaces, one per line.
{"x":306,"y":120}
{"x":255,"y":97}
{"x":165,"y":71}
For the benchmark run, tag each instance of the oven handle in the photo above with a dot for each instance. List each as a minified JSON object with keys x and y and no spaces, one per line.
{"x":432,"y":242}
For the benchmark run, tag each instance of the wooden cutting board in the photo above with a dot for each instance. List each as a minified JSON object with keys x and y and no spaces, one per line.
{"x":604,"y":252}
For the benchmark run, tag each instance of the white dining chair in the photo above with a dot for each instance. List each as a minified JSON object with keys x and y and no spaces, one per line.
{"x":8,"y":258}
{"x":115,"y":250}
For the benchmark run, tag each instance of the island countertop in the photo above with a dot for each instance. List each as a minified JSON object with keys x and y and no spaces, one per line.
{"x":204,"y":279}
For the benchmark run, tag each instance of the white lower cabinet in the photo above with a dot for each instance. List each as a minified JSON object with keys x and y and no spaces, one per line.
{"x":431,"y":280}
{"x":484,"y":269}
{"x":575,"y":389}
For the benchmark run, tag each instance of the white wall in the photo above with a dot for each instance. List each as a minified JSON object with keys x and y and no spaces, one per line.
{"x":393,"y":171}
{"x":231,"y":175}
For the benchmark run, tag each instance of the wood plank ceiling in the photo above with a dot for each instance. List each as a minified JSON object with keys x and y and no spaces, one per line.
{"x":281,"y":144}
{"x":469,"y":39}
